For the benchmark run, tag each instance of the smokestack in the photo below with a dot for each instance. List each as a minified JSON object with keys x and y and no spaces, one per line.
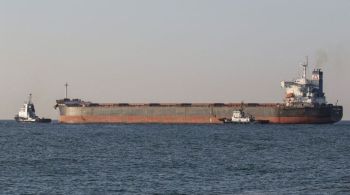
{"x":320,"y":81}
{"x":317,"y":79}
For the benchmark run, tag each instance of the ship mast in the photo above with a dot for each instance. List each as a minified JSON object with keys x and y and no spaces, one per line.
{"x":66,"y":85}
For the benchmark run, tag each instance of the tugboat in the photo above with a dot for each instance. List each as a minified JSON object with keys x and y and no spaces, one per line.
{"x":27,"y":113}
{"x":240,"y":117}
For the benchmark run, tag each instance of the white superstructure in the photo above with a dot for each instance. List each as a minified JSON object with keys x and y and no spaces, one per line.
{"x":304,"y":91}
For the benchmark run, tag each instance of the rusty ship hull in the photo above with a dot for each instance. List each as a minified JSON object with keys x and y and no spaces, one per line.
{"x":82,"y":112}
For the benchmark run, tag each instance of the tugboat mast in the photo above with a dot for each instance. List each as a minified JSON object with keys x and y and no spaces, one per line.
{"x":30,"y":98}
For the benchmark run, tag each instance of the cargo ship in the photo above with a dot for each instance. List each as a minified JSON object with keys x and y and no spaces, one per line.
{"x":304,"y":103}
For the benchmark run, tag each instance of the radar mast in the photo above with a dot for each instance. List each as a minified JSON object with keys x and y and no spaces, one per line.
{"x":306,"y":63}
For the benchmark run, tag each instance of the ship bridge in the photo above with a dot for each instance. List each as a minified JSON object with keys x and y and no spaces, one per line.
{"x":303,"y":90}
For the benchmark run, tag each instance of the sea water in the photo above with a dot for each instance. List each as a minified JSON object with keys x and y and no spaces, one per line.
{"x":174,"y":159}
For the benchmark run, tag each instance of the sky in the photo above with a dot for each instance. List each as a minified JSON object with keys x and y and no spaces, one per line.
{"x":168,"y":51}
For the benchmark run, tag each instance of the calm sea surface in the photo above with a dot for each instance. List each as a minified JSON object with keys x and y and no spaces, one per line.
{"x":174,"y":159}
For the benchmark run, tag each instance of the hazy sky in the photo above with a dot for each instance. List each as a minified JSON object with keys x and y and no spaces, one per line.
{"x":168,"y":51}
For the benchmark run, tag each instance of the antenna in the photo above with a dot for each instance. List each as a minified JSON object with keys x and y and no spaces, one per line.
{"x":66,"y":85}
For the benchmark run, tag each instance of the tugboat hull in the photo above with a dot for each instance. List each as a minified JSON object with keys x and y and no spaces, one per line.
{"x":38,"y":120}
{"x":44,"y":120}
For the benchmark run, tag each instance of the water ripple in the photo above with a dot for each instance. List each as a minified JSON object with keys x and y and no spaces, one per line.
{"x":174,"y":159}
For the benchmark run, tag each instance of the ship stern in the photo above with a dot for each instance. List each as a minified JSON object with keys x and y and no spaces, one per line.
{"x":337,"y":113}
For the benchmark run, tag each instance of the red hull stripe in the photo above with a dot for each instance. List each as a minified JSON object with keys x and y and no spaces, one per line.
{"x":297,"y":120}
